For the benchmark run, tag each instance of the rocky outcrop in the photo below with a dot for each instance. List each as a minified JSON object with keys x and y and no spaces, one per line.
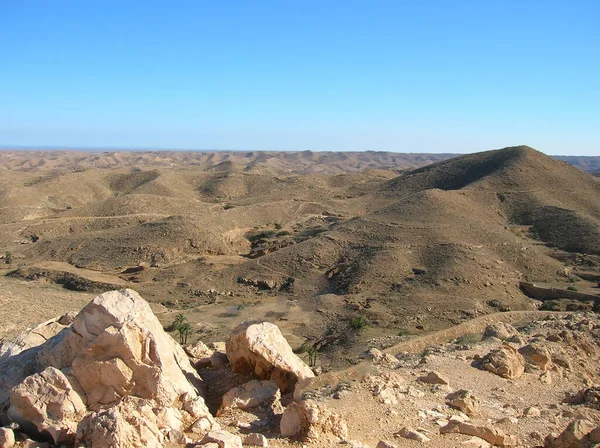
{"x":117,"y":347}
{"x":111,"y":378}
{"x":261,"y":348}
{"x":505,"y":361}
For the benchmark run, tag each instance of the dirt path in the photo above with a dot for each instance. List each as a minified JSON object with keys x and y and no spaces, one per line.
{"x":476,"y":325}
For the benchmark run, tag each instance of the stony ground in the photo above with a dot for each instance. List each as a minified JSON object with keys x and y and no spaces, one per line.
{"x":380,"y":398}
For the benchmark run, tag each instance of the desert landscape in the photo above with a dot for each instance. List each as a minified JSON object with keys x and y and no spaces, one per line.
{"x":454,"y":297}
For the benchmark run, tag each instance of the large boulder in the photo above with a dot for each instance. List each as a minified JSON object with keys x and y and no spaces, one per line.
{"x":505,"y":361}
{"x":261,"y":348}
{"x":116,"y":347}
{"x":46,"y":403}
{"x":309,"y":420}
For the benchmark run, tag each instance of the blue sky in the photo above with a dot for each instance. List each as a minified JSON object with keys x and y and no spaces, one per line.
{"x":429,"y":76}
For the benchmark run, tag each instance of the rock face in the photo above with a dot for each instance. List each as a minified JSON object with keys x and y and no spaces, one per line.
{"x":506,"y":362}
{"x":46,"y":403}
{"x":111,"y":378}
{"x":308,"y":420}
{"x":262,"y":349}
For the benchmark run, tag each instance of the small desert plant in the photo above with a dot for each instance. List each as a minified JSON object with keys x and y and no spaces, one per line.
{"x":8,"y":257}
{"x":277,"y":225}
{"x":403,"y":332}
{"x":468,"y":339}
{"x":311,"y":351}
{"x":179,"y":320}
{"x":252,"y":237}
{"x":572,"y":279}
{"x":312,"y":356}
{"x":359,"y":323}
{"x":572,"y":288}
{"x":184,"y":330}
{"x":283,"y":233}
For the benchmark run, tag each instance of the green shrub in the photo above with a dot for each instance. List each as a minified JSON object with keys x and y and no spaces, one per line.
{"x":255,"y":236}
{"x":277,"y":226}
{"x":359,"y":323}
{"x":403,"y":332}
{"x":572,"y":288}
{"x":8,"y":257}
{"x":283,"y":233}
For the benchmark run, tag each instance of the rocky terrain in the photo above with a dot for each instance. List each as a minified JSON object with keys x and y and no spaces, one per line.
{"x":337,"y":249}
{"x":110,"y":376}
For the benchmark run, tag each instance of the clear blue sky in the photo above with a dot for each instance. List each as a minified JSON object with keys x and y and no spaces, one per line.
{"x":408,"y":76}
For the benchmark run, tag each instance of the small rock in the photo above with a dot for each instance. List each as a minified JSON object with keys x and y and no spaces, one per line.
{"x":255,"y":439}
{"x":384,"y":444}
{"x":500,"y":330}
{"x":411,"y":434}
{"x":223,"y":439}
{"x":532,"y":412}
{"x":476,"y":442}
{"x":464,"y":401}
{"x":433,"y":378}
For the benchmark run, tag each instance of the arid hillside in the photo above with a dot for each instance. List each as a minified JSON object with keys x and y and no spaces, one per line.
{"x":338,"y":249}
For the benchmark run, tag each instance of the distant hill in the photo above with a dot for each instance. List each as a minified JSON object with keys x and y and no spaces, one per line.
{"x":582,"y":162}
{"x":263,"y":162}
